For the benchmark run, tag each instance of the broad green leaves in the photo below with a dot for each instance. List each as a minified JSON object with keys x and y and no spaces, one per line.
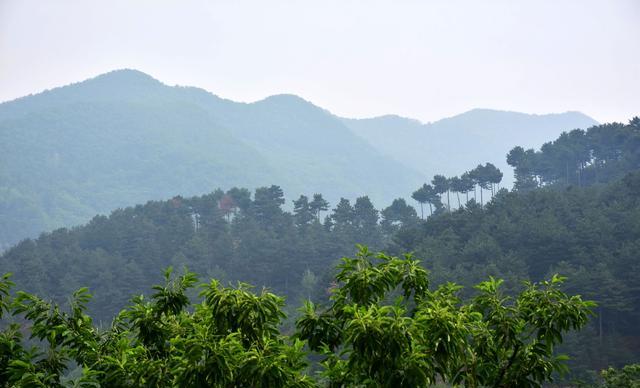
{"x":627,"y":377}
{"x":229,"y":339}
{"x":384,"y":327}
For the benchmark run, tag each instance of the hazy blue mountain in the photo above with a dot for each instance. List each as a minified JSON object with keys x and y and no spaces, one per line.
{"x":456,"y":144}
{"x":124,"y":138}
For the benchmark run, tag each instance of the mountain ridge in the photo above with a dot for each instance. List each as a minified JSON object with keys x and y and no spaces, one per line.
{"x":111,"y":142}
{"x":456,"y":144}
{"x":129,"y":74}
{"x":124,"y":137}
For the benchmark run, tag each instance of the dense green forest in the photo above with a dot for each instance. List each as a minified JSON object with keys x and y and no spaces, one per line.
{"x":124,"y":138}
{"x":231,"y":338}
{"x":591,"y":235}
{"x":229,"y":236}
{"x":577,"y":216}
{"x":598,"y":155}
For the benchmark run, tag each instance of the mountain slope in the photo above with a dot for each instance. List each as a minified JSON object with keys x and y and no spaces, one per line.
{"x":454,"y":145}
{"x":123,"y":138}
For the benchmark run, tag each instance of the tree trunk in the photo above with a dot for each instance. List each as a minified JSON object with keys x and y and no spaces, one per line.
{"x":458,"y":195}
{"x":448,"y":204}
{"x":430,"y":209}
{"x":481,"y":200}
{"x":421,"y":210}
{"x":580,"y":174}
{"x":600,"y":325}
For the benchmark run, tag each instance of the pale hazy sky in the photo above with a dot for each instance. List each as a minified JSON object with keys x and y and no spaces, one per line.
{"x":422,"y":59}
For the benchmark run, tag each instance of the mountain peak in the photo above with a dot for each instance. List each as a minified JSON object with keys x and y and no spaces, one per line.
{"x":114,"y":85}
{"x":124,"y":77}
{"x":284,"y":99}
{"x":123,"y":84}
{"x":289,"y":102}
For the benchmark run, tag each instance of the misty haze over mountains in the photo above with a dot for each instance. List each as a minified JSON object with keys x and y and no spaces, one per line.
{"x":453,"y":145}
{"x":123,"y":138}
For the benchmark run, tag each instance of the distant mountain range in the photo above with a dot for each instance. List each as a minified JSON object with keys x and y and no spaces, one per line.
{"x":124,"y":138}
{"x":454,"y":145}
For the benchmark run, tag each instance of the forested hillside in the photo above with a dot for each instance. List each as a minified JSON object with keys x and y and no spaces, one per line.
{"x":591,"y":235}
{"x":232,"y":236}
{"x":575,"y":211}
{"x":124,"y":138}
{"x":600,"y":154}
{"x":580,"y":226}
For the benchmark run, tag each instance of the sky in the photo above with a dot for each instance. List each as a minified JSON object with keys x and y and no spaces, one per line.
{"x":421,"y":59}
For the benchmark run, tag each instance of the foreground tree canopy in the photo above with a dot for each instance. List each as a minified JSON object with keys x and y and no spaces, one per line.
{"x":384,"y":327}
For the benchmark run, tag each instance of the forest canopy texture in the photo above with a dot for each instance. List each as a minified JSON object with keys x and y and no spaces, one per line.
{"x":575,"y":211}
{"x":383,"y":327}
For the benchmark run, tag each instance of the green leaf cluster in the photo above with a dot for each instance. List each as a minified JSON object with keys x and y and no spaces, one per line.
{"x":383,"y":327}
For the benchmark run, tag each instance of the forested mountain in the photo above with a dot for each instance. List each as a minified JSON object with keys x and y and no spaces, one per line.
{"x":123,"y":138}
{"x":449,"y":146}
{"x":589,"y":232}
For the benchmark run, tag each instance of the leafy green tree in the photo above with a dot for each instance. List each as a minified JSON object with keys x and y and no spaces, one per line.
{"x":302,"y":211}
{"x":365,"y":221}
{"x":241,"y":197}
{"x":466,"y":184}
{"x":317,"y":205}
{"x":385,"y":327}
{"x":343,"y":213}
{"x":522,"y":162}
{"x":626,"y":377}
{"x":397,"y":214}
{"x":457,"y":186}
{"x":230,"y":338}
{"x":428,"y":194}
{"x":422,"y":196}
{"x":267,"y":202}
{"x":365,"y":215}
{"x":483,"y":177}
{"x":494,"y":176}
{"x":440,"y":186}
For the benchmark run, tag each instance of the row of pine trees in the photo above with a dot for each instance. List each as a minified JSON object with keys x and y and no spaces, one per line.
{"x":487,"y":177}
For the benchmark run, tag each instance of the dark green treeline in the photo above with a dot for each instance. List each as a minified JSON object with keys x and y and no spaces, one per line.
{"x":233,"y":236}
